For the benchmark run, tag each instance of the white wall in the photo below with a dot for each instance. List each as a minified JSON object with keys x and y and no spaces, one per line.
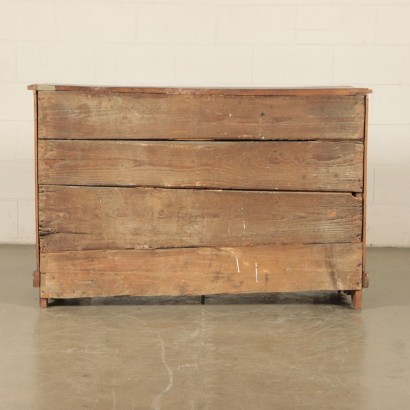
{"x":210,"y":43}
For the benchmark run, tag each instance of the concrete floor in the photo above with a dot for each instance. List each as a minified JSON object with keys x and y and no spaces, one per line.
{"x":285,"y":352}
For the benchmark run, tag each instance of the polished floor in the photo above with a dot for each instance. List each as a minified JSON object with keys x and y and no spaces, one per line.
{"x":304,"y":351}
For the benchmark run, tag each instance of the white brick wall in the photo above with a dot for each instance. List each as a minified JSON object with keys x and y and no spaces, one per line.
{"x":293,"y":65}
{"x":339,"y":24}
{"x":30,"y":20}
{"x":160,"y":23}
{"x":210,"y":43}
{"x":275,"y":25}
{"x":99,"y":22}
{"x":208,"y":65}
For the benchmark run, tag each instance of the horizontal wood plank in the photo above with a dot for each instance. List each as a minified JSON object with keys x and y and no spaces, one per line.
{"x":293,"y":91}
{"x":201,"y":271}
{"x":270,"y":165}
{"x":76,"y":218}
{"x":102,"y":115}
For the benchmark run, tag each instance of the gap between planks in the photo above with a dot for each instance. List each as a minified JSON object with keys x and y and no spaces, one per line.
{"x":213,"y":189}
{"x":218,"y":140}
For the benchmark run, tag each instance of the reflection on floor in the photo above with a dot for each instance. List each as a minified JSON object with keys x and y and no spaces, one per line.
{"x":298,"y":351}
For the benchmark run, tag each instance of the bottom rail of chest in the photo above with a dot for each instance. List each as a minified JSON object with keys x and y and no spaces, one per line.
{"x":202,"y":271}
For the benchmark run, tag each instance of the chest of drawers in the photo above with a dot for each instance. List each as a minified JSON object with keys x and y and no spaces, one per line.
{"x":166,"y":191}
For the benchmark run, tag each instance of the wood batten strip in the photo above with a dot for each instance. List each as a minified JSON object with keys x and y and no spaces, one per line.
{"x":116,"y":115}
{"x":271,"y":91}
{"x":268,"y":165}
{"x":80,"y":218}
{"x":201,"y":271}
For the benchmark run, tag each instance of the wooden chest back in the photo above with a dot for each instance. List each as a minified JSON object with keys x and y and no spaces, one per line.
{"x":144,"y":191}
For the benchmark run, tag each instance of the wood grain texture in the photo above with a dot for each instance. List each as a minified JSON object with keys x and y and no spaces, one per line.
{"x":365,"y":143}
{"x":82,"y":115}
{"x":310,"y":91}
{"x":201,"y":271}
{"x":36,"y":176}
{"x":270,"y":165}
{"x":192,"y":217}
{"x":36,"y":279}
{"x":75,"y":218}
{"x":357,"y":299}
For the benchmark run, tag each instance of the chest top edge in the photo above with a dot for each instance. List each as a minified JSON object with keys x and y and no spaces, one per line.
{"x":305,"y":91}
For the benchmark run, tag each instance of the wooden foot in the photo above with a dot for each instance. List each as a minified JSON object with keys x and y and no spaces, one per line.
{"x":43,"y":302}
{"x":202,"y":299}
{"x":357,"y":299}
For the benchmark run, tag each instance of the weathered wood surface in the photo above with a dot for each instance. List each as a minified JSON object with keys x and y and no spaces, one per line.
{"x":36,"y":179}
{"x":82,"y":115}
{"x":75,"y":218}
{"x":357,"y":299}
{"x":43,"y":302}
{"x":197,"y":271}
{"x":122,"y":236}
{"x":36,"y":278}
{"x":365,"y":144}
{"x":270,"y":165}
{"x":309,"y":91}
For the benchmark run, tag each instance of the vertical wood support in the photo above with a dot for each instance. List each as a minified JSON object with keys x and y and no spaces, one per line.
{"x":358,"y":294}
{"x":36,"y":179}
{"x":43,"y":302}
{"x":37,"y":275}
{"x":365,"y":277}
{"x":36,"y":279}
{"x":357,"y":299}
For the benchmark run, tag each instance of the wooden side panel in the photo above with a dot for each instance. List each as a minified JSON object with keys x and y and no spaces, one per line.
{"x":270,"y":165}
{"x":75,"y":218}
{"x":198,"y":271}
{"x":79,"y":115}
